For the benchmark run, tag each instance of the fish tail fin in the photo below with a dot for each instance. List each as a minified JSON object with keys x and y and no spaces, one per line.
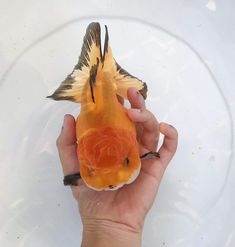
{"x":121,"y":77}
{"x":72,"y":87}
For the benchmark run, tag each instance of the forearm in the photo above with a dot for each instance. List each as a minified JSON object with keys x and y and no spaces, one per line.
{"x":106,"y":234}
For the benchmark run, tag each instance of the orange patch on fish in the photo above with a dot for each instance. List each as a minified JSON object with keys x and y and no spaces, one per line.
{"x":107,"y":147}
{"x":110,"y":155}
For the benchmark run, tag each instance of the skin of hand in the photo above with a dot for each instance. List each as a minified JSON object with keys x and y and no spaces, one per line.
{"x":118,"y":216}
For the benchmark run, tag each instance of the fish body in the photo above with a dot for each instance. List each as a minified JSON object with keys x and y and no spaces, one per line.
{"x":107,"y":147}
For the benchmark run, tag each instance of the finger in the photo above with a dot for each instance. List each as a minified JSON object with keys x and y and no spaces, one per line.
{"x":170,"y":143}
{"x":135,"y":98}
{"x":67,"y":146}
{"x":150,"y":126}
{"x":156,"y":167}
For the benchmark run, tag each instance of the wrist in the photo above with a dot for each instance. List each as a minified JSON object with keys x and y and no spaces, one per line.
{"x":102,"y":233}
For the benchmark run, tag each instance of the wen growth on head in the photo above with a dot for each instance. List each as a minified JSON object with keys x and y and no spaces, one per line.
{"x":107,"y":147}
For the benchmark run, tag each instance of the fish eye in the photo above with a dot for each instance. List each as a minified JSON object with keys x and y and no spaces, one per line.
{"x":126,"y":161}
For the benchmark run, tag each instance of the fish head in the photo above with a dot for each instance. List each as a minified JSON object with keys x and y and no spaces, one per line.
{"x":109,"y":158}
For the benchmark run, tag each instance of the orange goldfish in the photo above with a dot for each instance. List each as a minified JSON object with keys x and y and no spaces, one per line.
{"x":107,"y":147}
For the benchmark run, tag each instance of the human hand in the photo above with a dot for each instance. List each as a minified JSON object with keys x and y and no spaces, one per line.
{"x":122,"y":210}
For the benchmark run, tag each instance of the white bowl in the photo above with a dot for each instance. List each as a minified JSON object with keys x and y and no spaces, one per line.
{"x":183,"y":50}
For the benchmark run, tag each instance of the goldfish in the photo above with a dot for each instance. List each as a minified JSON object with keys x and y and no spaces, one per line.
{"x":107,"y":147}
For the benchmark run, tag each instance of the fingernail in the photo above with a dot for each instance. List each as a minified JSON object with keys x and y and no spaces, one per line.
{"x":139,"y":95}
{"x":63,"y":122}
{"x":171,"y":126}
{"x":140,"y":98}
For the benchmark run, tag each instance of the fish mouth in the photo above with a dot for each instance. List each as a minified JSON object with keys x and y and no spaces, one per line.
{"x":118,"y":186}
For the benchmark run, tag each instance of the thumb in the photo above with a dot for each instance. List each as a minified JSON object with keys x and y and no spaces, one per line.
{"x":67,"y":146}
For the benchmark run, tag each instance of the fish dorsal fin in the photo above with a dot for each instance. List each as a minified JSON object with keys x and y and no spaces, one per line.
{"x":121,"y":77}
{"x":72,"y":87}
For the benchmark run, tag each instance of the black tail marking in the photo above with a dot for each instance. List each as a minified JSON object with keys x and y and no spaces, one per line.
{"x":106,"y":44}
{"x":92,"y":35}
{"x":92,"y":79}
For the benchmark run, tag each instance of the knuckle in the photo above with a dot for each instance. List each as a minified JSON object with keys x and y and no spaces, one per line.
{"x":58,"y":142}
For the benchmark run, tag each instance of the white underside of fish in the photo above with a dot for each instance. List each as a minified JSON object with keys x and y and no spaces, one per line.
{"x":131,"y":179}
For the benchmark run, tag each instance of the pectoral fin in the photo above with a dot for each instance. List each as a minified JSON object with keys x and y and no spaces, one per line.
{"x":72,"y":87}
